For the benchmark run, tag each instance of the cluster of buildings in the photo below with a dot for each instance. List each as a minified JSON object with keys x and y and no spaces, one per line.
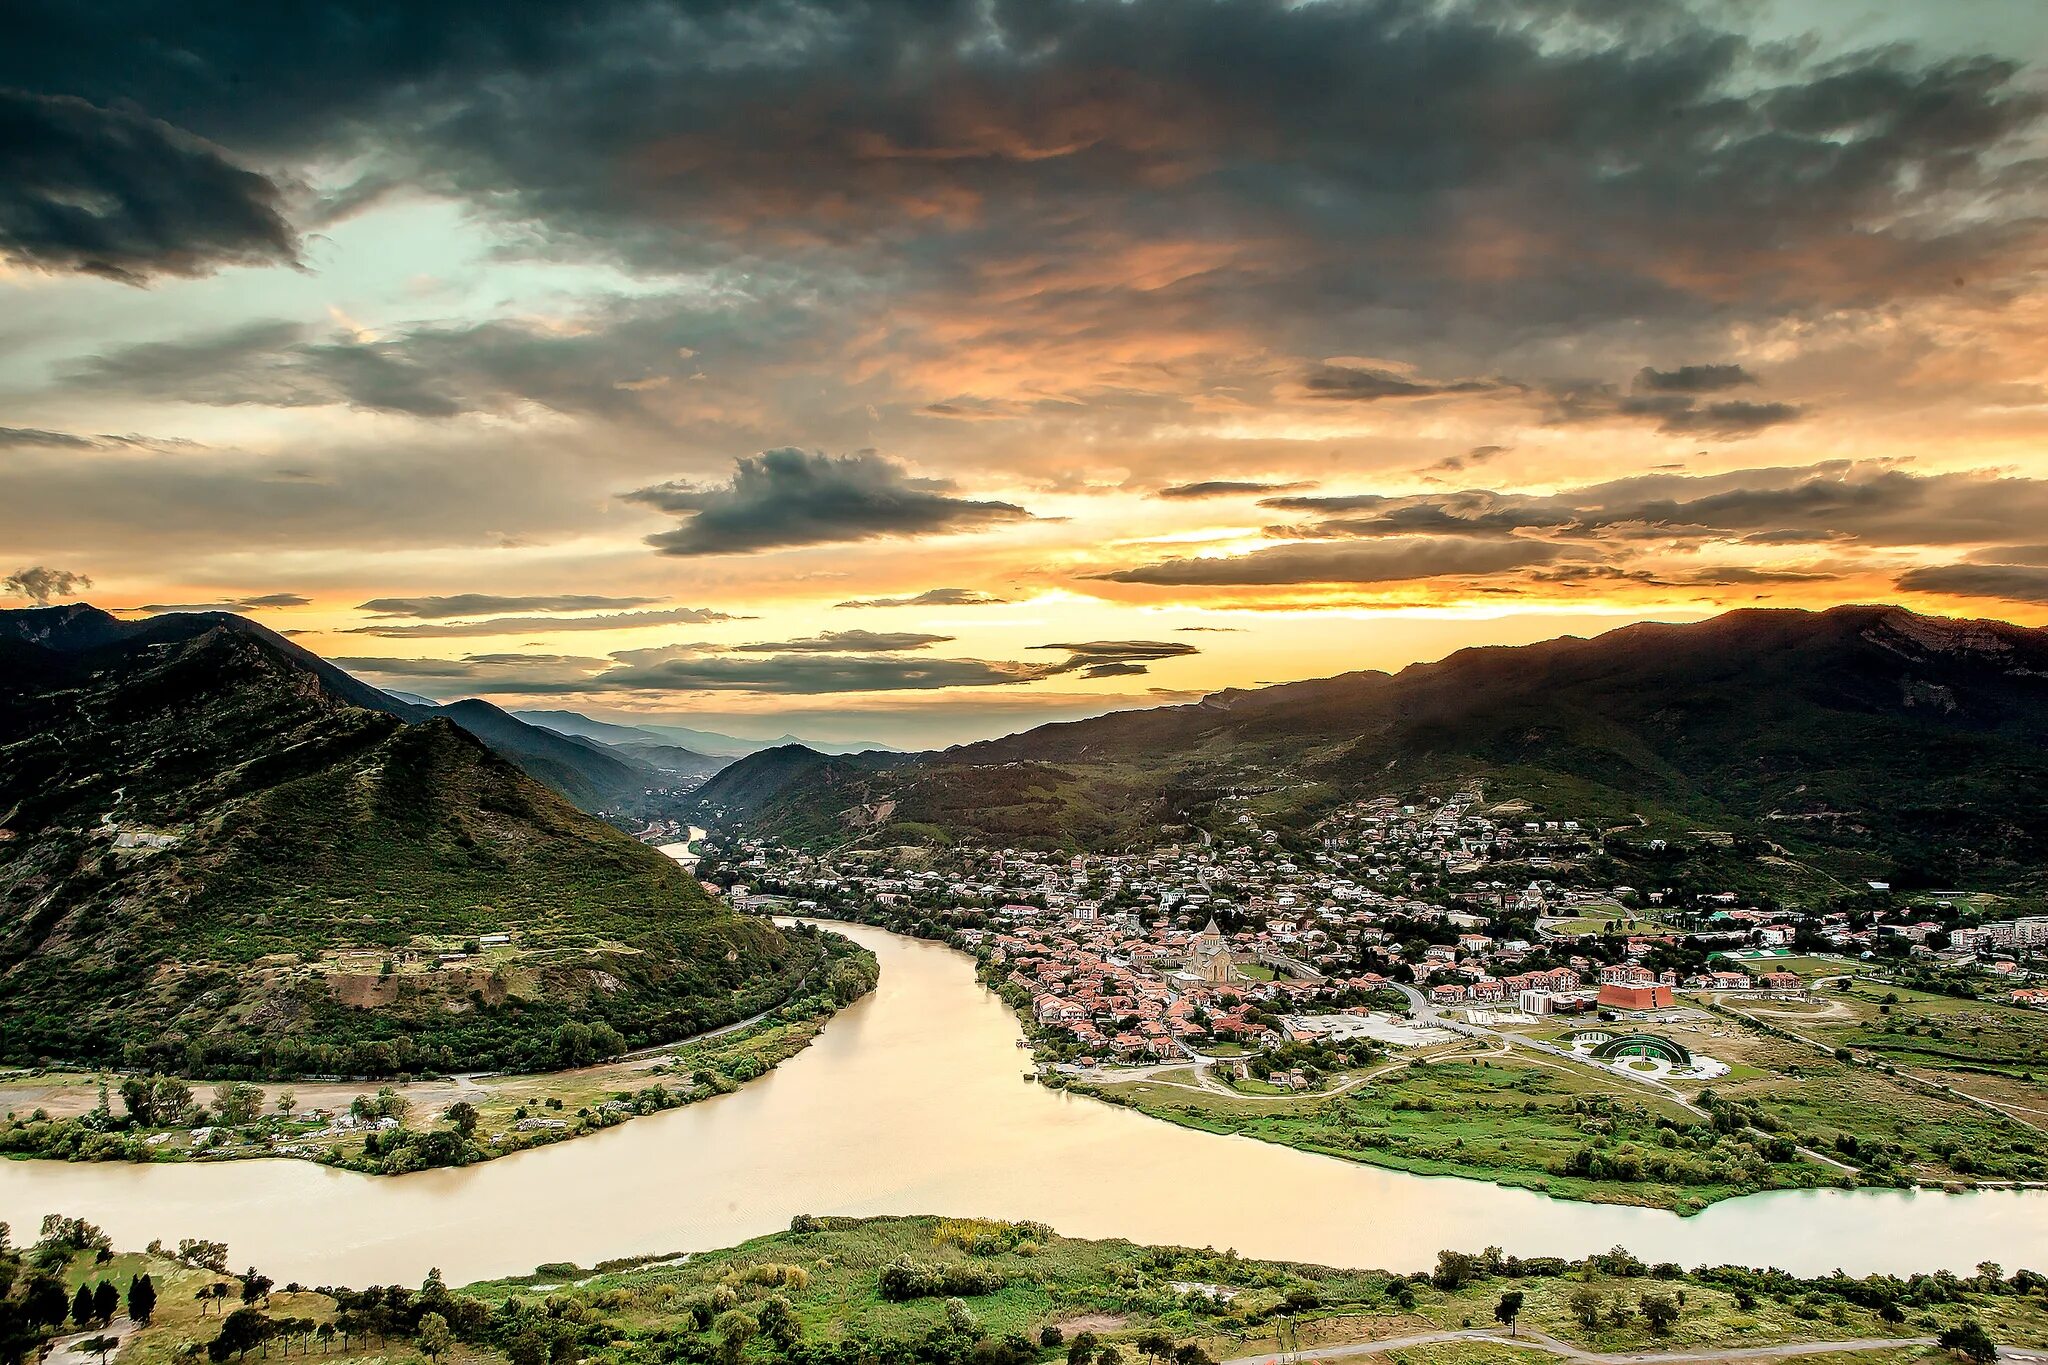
{"x":1469,"y":909}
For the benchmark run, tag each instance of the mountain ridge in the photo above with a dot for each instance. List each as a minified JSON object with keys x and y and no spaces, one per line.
{"x":215,"y":861}
{"x":1810,"y":726}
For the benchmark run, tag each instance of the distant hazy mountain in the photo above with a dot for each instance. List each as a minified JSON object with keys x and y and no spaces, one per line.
{"x":197,"y":817}
{"x":705,"y":742}
{"x":590,"y":774}
{"x":1891,"y":744}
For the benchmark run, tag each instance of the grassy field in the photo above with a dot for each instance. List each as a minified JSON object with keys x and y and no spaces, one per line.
{"x":1512,"y":1119}
{"x":964,"y":1291}
{"x":831,"y":1280}
{"x":51,"y":1114}
{"x":1883,"y":1124}
{"x":1593,"y":919}
{"x":1923,"y":1029}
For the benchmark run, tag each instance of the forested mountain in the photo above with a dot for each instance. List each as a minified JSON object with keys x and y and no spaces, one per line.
{"x":1885,"y":742}
{"x":218,"y":853}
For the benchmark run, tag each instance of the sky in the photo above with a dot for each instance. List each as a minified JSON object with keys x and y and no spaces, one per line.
{"x":918,"y":371}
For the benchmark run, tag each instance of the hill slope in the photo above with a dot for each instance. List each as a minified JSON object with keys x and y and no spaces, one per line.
{"x":214,"y":858}
{"x":1890,"y":742}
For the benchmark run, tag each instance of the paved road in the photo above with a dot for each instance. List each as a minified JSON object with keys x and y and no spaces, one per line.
{"x":1539,"y":1341}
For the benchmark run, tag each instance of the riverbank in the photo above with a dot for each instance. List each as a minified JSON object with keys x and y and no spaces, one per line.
{"x":950,"y":1291}
{"x":912,"y":1100}
{"x":393,"y":1129}
{"x":1496,"y":1104}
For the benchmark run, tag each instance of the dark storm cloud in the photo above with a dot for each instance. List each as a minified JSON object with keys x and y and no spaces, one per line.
{"x":1693,"y":378}
{"x":1368,"y":385}
{"x":30,"y":436}
{"x":1386,"y":561}
{"x":257,"y":603}
{"x":430,"y":372}
{"x":847,"y":642}
{"x":1093,"y":652}
{"x":2007,"y":582}
{"x":1837,"y":501}
{"x":545,"y":625}
{"x":1713,"y":576}
{"x":812,"y":674}
{"x":1669,"y":399}
{"x":687,"y":670}
{"x":1728,"y":419}
{"x":1117,"y":658}
{"x":1223,"y":488}
{"x":116,"y":193}
{"x":931,"y":597}
{"x":1548,"y":163}
{"x":783,"y":498}
{"x":42,"y":585}
{"x":838,"y":661}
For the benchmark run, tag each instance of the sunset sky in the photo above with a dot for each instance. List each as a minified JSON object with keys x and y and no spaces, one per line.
{"x":922,"y":371}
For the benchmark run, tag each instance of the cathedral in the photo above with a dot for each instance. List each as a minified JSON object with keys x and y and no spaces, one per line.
{"x":1209,"y":960}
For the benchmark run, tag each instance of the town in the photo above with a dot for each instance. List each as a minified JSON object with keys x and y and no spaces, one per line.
{"x":1207,"y":980}
{"x":1142,"y":956}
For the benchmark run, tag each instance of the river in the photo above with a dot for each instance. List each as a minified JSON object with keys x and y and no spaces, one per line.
{"x":684,"y":852}
{"x":912,"y":1102}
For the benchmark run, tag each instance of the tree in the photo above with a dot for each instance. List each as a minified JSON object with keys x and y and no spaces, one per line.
{"x":1660,"y":1310}
{"x":1454,"y":1269}
{"x":286,"y":1102}
{"x":528,"y":1348}
{"x":1508,"y":1309}
{"x":1081,"y":1350}
{"x":959,"y":1317}
{"x":735,"y":1328}
{"x":433,"y":1334}
{"x":106,"y":1301}
{"x":139,"y":1098}
{"x":141,"y":1298}
{"x":237,"y":1102}
{"x":243,"y":1330}
{"x":81,"y":1306}
{"x":255,"y":1286}
{"x":463,"y":1115}
{"x":779,"y":1324}
{"x":1969,"y":1340}
{"x":43,"y":1302}
{"x":1584,"y":1306}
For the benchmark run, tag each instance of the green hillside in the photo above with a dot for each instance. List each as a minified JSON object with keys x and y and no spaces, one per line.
{"x":1877,"y":741}
{"x":212,"y":860}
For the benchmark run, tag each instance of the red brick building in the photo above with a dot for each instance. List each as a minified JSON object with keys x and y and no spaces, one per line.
{"x":1652,"y":995}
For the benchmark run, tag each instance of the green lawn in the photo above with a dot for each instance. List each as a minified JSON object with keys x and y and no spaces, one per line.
{"x":1512,"y":1121}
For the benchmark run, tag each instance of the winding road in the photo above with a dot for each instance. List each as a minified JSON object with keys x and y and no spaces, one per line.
{"x":1539,"y":1341}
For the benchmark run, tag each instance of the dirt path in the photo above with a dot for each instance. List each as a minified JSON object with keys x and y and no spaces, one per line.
{"x":1538,"y":1341}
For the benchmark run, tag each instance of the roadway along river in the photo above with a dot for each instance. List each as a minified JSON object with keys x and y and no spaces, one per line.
{"x":912,"y":1102}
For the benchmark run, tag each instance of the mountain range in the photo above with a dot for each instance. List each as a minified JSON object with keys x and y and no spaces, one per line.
{"x":220,"y":854}
{"x":1876,"y":742}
